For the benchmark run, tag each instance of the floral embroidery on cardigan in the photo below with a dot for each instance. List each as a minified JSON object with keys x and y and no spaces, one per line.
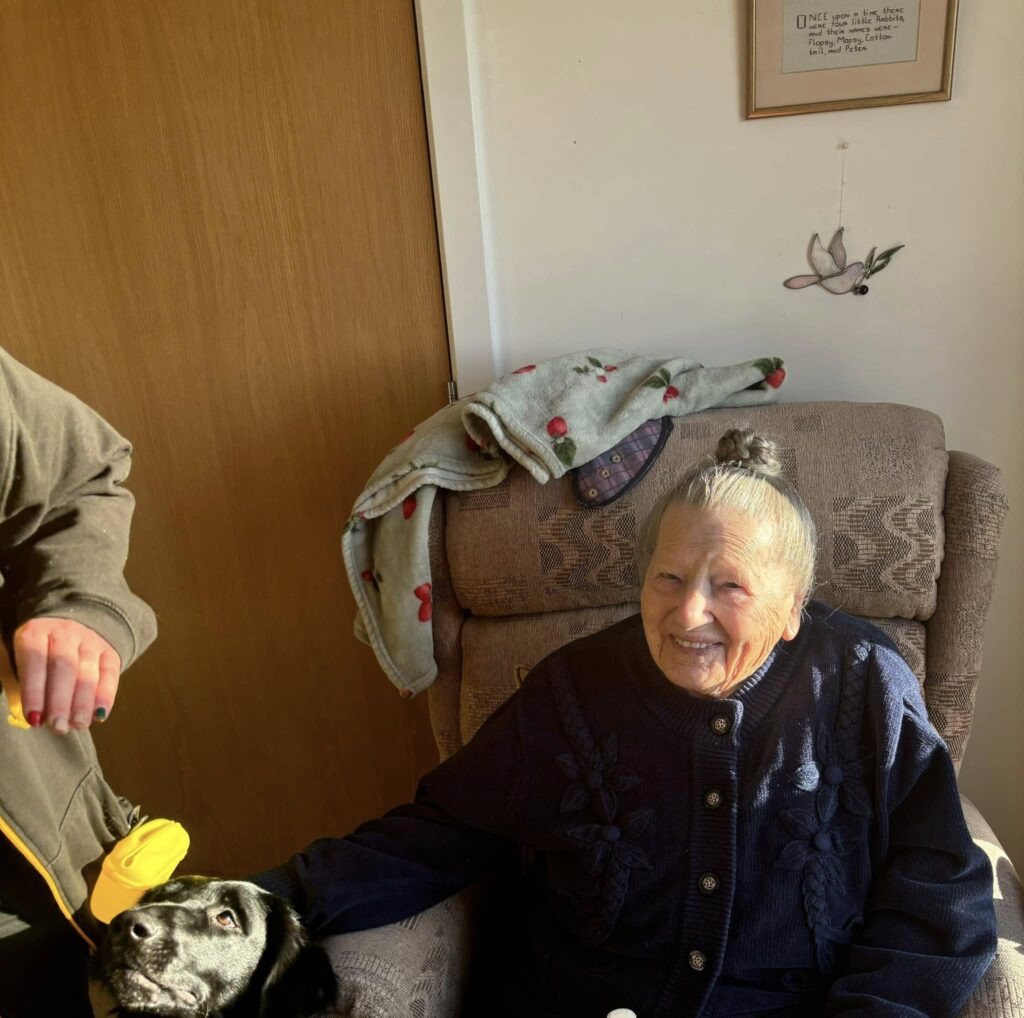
{"x":604,"y":840}
{"x":814,"y":850}
{"x":835,"y":778}
{"x":595,"y":775}
{"x":596,"y":778}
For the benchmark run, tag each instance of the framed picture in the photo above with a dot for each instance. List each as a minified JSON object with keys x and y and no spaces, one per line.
{"x":808,"y":56}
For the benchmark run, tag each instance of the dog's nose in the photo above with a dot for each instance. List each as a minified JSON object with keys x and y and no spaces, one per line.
{"x":140,"y":930}
{"x":137,"y":925}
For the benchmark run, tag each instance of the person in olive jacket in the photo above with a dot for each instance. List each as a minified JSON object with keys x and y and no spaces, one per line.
{"x":72,"y":626}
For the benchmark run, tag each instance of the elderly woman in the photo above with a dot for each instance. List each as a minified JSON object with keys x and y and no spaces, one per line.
{"x":731,"y":804}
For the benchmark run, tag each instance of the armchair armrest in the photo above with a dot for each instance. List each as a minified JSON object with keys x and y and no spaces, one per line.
{"x":1000,"y":994}
{"x":419,"y":966}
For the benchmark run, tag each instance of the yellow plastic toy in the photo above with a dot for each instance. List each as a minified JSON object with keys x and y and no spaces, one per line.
{"x":145,"y":857}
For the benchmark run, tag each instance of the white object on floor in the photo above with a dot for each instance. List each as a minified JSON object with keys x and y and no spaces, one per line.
{"x":622,"y":1012}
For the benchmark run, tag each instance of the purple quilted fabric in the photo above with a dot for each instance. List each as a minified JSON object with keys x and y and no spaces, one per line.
{"x":610,"y":475}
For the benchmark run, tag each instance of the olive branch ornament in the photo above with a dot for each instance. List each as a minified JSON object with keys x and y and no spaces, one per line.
{"x":833,"y":273}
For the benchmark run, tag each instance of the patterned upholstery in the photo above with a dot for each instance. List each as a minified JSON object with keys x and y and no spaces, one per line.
{"x":908,"y":538}
{"x":873,"y":477}
{"x":1000,"y":994}
{"x":975,"y":509}
{"x":417,"y":968}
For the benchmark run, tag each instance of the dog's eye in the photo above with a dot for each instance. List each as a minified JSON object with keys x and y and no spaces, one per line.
{"x":225,"y":919}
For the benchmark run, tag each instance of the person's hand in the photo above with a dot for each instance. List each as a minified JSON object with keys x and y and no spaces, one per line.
{"x":67,"y":672}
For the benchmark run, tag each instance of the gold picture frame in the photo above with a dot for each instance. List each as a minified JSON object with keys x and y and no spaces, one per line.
{"x":812,"y":56}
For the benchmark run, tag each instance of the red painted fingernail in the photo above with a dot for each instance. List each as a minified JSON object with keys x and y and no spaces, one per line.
{"x":35,"y":718}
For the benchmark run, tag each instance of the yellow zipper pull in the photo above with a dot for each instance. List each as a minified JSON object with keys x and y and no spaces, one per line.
{"x":12,"y":690}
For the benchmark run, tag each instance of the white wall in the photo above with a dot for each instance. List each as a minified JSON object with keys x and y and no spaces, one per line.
{"x":622,"y":200}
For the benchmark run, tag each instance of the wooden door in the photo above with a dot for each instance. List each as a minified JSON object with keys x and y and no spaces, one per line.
{"x":217,"y":228}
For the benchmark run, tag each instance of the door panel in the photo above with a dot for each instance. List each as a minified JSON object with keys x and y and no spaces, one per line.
{"x":217,"y":228}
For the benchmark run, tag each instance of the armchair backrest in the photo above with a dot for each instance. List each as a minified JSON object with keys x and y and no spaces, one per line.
{"x":908,"y":537}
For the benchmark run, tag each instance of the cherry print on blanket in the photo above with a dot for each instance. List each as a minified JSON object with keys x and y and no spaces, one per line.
{"x":423,"y":594}
{"x":564,"y":447}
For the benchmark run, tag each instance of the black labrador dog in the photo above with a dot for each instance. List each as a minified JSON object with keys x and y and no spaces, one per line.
{"x":212,"y":948}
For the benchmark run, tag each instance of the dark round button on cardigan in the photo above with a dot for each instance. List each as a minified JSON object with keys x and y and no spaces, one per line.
{"x":708,"y":883}
{"x":720,"y":724}
{"x":712,"y":798}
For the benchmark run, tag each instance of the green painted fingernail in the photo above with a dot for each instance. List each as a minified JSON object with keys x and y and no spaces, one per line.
{"x":100,"y":714}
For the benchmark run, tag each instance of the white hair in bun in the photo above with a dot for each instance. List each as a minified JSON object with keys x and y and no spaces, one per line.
{"x":742,"y":448}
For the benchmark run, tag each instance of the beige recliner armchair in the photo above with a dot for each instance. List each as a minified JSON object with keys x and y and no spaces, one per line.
{"x":908,"y":538}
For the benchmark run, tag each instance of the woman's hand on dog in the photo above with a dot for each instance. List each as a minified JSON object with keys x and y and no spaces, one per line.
{"x":67,"y":672}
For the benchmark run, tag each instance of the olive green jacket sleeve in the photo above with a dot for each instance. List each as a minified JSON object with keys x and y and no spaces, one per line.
{"x":64,"y":514}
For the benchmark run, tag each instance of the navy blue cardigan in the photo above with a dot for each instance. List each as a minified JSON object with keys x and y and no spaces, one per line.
{"x":797,"y":848}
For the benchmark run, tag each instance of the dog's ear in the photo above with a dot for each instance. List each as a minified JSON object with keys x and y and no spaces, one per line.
{"x":297,"y":980}
{"x":286,"y":938}
{"x":306,"y":988}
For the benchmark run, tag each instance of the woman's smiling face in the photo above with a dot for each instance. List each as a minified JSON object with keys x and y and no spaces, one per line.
{"x":716,"y":599}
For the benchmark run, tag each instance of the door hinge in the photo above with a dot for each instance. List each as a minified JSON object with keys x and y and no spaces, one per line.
{"x":453,"y":392}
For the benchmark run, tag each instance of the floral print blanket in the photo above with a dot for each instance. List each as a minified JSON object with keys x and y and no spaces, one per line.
{"x":549,"y":418}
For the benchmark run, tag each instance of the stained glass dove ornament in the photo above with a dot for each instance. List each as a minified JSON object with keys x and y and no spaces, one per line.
{"x":831,"y":270}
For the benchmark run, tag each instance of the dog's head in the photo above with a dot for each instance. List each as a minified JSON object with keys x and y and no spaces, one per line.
{"x":195,"y":946}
